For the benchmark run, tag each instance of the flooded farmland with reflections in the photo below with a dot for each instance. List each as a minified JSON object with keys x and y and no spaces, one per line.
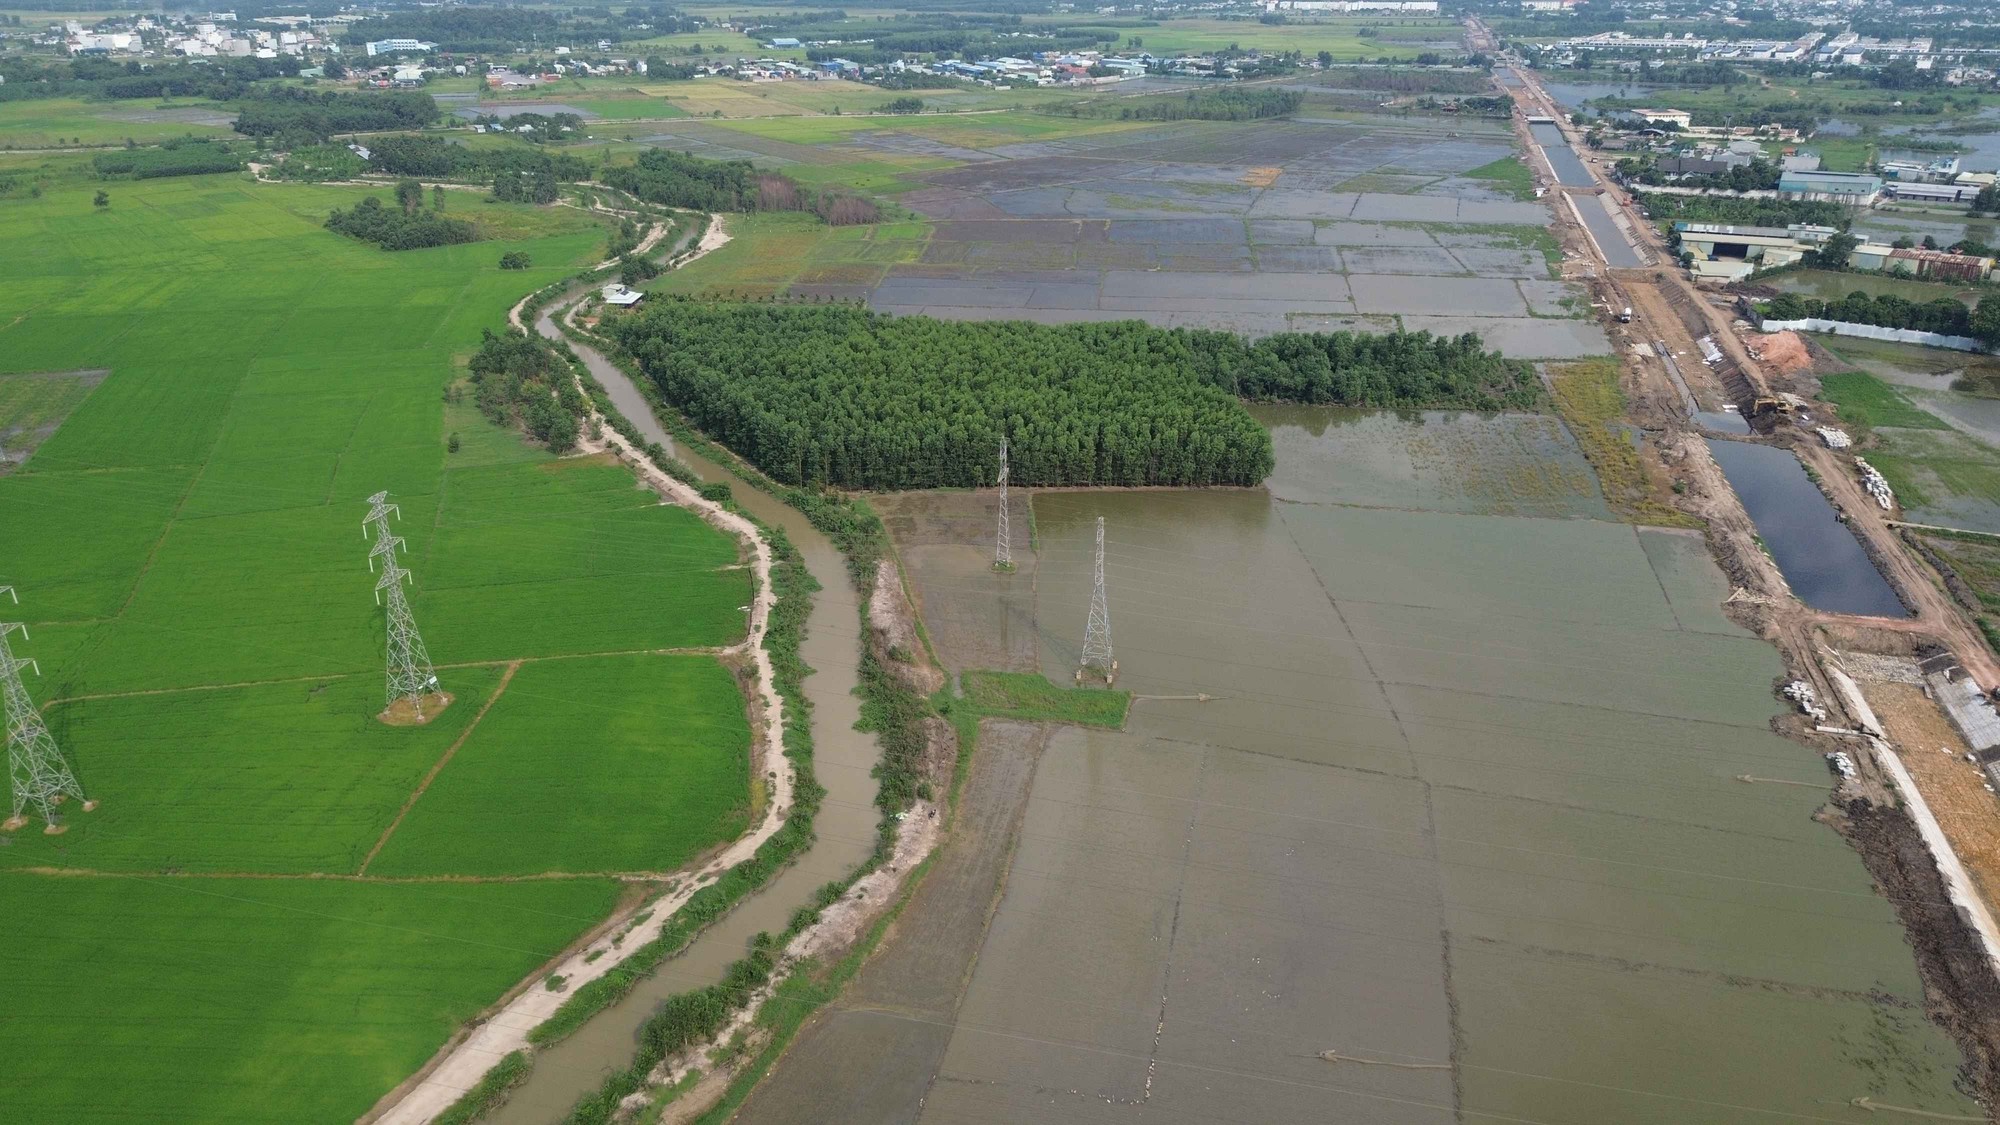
{"x":1457,"y":834}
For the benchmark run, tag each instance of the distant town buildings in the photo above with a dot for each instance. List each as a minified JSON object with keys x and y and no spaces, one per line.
{"x":393,"y":46}
{"x":1384,"y":7}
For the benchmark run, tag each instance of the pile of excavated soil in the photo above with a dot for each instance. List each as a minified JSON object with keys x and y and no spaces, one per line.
{"x":1784,"y":353}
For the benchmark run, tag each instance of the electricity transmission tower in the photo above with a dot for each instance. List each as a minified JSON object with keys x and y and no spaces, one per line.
{"x":36,"y":771}
{"x":1003,"y":555}
{"x":1097,"y":632}
{"x":410,"y":675}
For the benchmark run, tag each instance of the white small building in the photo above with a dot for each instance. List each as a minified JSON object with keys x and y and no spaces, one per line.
{"x":620,"y":296}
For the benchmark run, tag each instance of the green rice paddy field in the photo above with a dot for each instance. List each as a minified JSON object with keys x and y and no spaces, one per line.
{"x":188,"y":549}
{"x":61,"y":122}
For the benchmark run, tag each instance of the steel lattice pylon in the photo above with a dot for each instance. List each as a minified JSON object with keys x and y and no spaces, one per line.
{"x":1097,"y":631}
{"x":36,"y":772}
{"x":409,"y":672}
{"x":1003,"y":555}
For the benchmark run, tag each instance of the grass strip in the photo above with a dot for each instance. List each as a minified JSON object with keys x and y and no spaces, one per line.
{"x":1588,"y":398}
{"x":1029,"y":697}
{"x":1508,"y":172}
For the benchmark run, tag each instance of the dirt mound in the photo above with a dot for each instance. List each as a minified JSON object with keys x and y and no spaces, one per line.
{"x":405,"y":712}
{"x":1783,"y":353}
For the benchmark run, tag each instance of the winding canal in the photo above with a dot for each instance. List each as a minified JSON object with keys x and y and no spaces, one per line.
{"x":843,"y":759}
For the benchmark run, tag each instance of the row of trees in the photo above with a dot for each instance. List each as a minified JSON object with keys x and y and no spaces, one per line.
{"x":439,"y":158}
{"x":516,"y":381}
{"x":409,"y":227}
{"x":1743,"y":212}
{"x":678,"y":179}
{"x":1946,"y":314}
{"x":1227,"y":103}
{"x":24,"y":77}
{"x":1223,"y":103}
{"x":292,"y":114}
{"x":842,"y":396}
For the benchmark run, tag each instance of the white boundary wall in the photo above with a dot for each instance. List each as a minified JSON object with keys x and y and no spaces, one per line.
{"x":1873,"y":332}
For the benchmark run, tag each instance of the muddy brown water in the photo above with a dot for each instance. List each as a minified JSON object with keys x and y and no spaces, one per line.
{"x":844,"y":828}
{"x":1462,"y":810}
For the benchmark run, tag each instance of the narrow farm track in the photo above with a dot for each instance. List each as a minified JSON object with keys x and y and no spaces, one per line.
{"x":328,"y":677}
{"x":444,"y":760}
{"x":462,"y":1063}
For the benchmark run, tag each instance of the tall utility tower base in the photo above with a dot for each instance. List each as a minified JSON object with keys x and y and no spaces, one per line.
{"x":16,"y":823}
{"x":405,"y":712}
{"x":1110,"y":676}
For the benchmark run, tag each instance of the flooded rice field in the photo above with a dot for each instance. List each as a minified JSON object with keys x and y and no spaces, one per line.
{"x":1456,"y":836}
{"x":1256,"y":227}
{"x":1820,"y":558}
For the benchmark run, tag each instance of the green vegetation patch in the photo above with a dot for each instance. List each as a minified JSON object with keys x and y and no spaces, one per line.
{"x":1592,"y":405}
{"x":61,"y":122}
{"x":1508,"y":173}
{"x":609,"y":763}
{"x":1867,"y":402}
{"x":185,"y":999}
{"x":1029,"y":697}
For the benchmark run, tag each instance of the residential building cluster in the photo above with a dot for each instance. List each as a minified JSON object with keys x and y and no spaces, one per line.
{"x":1845,"y":48}
{"x":210,"y":35}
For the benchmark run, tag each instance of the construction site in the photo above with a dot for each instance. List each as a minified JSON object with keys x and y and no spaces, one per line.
{"x":1899,"y":700}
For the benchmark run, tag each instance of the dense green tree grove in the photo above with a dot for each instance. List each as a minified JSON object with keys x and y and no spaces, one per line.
{"x":183,"y":158}
{"x":439,"y":158}
{"x":842,"y":396}
{"x":394,"y":229}
{"x":679,"y":179}
{"x":303,"y":114}
{"x":1401,"y":370}
{"x":838,"y":395}
{"x":518,"y":381}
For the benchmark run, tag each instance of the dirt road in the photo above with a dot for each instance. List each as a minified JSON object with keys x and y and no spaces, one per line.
{"x":464,"y":1062}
